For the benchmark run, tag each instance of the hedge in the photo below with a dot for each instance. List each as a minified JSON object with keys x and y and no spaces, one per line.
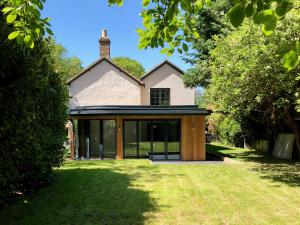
{"x":33,"y":110}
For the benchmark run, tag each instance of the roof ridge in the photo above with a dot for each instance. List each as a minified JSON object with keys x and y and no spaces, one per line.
{"x":159,"y":65}
{"x":99,"y":61}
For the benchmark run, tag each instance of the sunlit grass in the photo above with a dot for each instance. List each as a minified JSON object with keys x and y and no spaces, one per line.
{"x":137,"y":192}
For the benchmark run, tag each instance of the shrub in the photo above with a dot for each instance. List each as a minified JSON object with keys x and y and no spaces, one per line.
{"x":229,"y":131}
{"x":33,"y":110}
{"x":67,"y":152}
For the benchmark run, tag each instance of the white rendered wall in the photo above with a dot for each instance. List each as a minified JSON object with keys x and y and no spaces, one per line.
{"x":168,"y":77}
{"x":104,"y":84}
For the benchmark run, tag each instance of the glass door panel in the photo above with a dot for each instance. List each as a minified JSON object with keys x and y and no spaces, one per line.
{"x":95,"y":133}
{"x":83,"y":130}
{"x":144,"y":138}
{"x":109,"y":138}
{"x":130,"y":139}
{"x":159,"y":137}
{"x":173,"y":139}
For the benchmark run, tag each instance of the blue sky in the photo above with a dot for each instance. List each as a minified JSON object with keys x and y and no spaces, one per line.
{"x":77,"y":25}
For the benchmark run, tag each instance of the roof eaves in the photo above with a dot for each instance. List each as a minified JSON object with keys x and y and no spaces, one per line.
{"x":85,"y":70}
{"x":110,"y":62}
{"x":123,"y":71}
{"x":160,"y":65}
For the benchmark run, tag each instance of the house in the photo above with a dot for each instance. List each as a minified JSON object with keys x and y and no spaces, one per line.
{"x":116,"y":115}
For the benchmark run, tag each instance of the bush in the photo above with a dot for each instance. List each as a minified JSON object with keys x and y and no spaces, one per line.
{"x":229,"y":131}
{"x":67,"y":152}
{"x":33,"y":106}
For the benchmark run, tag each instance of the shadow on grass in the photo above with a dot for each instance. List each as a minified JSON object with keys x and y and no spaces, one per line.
{"x":84,"y":196}
{"x":267,"y":166}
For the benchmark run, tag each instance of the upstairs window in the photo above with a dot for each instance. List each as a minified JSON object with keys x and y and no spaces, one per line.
{"x":160,"y":96}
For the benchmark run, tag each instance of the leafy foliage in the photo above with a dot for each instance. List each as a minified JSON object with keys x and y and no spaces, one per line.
{"x":223,"y":126}
{"x":267,"y":13}
{"x":25,"y":18}
{"x":248,"y":80}
{"x":131,"y":66}
{"x":173,"y":22}
{"x":211,"y":22}
{"x":33,"y":104}
{"x":67,"y":66}
{"x":229,"y":130}
{"x":245,"y":61}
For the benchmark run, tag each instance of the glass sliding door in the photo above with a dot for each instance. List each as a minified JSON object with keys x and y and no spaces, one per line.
{"x":95,"y":134}
{"x":159,"y":138}
{"x":109,"y":138}
{"x":83,"y":136}
{"x":173,"y":139}
{"x":130,"y":139}
{"x":144,"y":142}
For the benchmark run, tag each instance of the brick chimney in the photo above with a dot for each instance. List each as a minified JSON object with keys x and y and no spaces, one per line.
{"x":104,"y":45}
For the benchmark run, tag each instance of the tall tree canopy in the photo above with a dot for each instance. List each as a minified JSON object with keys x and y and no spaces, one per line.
{"x":211,"y":22}
{"x":131,"y":66}
{"x":67,"y":66}
{"x":248,"y":79}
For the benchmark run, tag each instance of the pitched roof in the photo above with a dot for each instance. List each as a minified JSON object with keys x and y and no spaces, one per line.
{"x":110,"y":62}
{"x":160,"y":65}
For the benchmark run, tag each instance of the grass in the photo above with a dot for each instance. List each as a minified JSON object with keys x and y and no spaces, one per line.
{"x":266,"y":166}
{"x":137,"y":192}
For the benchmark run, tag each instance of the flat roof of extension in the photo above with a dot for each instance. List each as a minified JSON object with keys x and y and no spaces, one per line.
{"x":139,"y":110}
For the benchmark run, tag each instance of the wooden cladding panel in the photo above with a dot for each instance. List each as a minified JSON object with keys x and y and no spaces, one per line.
{"x":193,"y":138}
{"x":119,"y":138}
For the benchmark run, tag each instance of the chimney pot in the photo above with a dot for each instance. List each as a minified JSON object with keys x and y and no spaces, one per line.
{"x":104,"y":45}
{"x":104,"y":33}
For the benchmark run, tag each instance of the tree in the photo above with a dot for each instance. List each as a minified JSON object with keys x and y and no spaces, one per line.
{"x":67,"y":66}
{"x":33,"y":104}
{"x":211,"y":22}
{"x":173,"y":22}
{"x":131,"y":66}
{"x":249,"y":81}
{"x":170,"y":23}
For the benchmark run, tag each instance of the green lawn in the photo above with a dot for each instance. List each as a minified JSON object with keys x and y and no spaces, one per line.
{"x":258,"y":191}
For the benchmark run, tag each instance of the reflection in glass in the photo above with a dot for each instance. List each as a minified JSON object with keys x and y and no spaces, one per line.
{"x":144,"y":138}
{"x":162,"y":137}
{"x":94,"y":138}
{"x":130,"y":139}
{"x":109,"y":138}
{"x":83,"y":133}
{"x":158,"y":136}
{"x":173,"y":140}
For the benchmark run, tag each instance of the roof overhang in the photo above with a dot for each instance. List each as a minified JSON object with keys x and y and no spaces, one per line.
{"x":139,"y":110}
{"x":159,"y":66}
{"x":88,"y":68}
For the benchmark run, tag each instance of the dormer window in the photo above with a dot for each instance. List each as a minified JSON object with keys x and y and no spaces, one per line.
{"x":160,"y":96}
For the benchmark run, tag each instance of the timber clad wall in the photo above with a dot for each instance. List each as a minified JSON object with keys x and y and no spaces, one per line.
{"x":193,"y":140}
{"x":192,"y":133}
{"x":119,"y":138}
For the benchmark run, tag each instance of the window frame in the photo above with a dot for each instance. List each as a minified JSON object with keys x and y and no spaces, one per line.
{"x":156,"y":97}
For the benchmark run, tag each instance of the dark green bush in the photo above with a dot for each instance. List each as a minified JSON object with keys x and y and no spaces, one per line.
{"x":33,"y":112}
